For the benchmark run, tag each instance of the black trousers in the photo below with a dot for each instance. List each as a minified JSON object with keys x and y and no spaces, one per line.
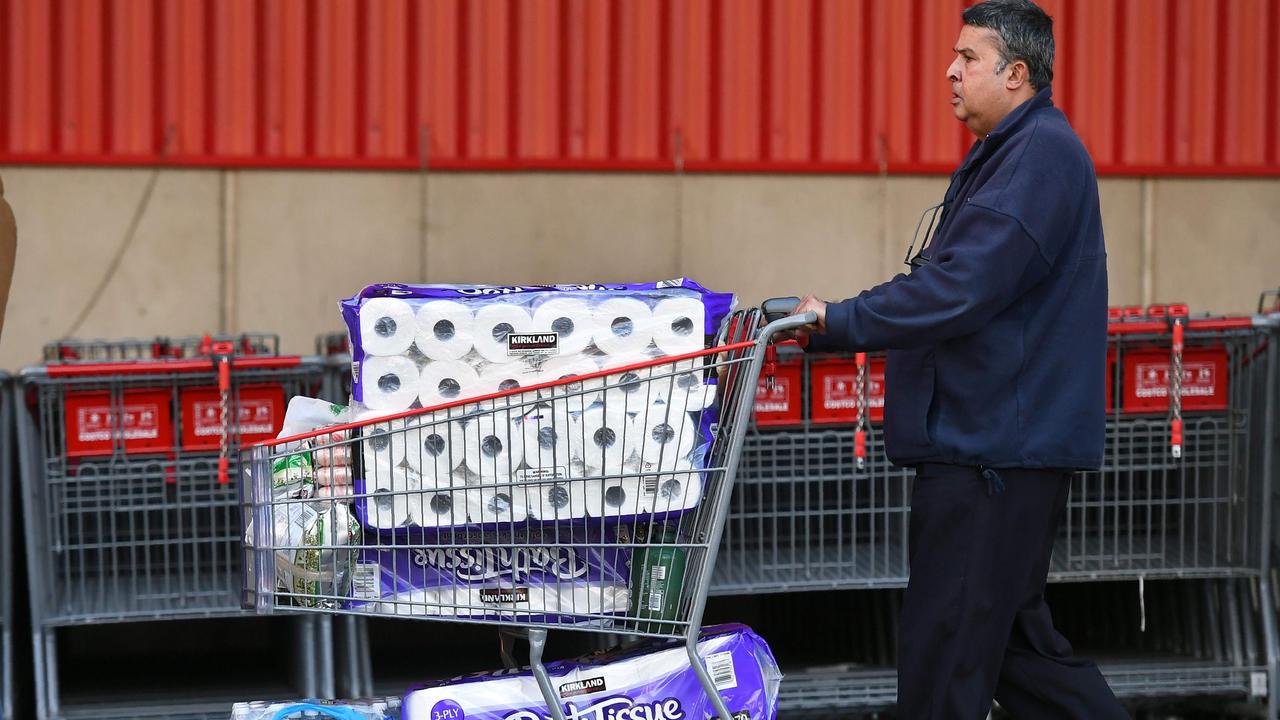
{"x":974,"y":621}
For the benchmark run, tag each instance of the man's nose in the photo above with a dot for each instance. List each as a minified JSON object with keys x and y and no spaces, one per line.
{"x":953,"y":72}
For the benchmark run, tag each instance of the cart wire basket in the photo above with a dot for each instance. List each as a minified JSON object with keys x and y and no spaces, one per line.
{"x":595,"y":503}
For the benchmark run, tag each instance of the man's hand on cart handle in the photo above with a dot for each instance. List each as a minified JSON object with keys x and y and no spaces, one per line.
{"x":809,"y":303}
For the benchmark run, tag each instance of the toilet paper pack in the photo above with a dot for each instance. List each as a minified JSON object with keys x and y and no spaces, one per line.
{"x":652,"y":681}
{"x":528,"y":573}
{"x":471,"y":341}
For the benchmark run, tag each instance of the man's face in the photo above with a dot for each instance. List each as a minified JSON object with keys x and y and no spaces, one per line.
{"x":979,"y":96}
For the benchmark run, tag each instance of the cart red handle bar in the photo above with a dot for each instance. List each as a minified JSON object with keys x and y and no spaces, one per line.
{"x":505,"y":393}
{"x":1157,"y":328}
{"x":147,"y":367}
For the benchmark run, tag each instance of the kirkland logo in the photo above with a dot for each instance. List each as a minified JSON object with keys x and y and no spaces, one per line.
{"x":533,"y":344}
{"x":504,"y":596}
{"x":582,"y":687}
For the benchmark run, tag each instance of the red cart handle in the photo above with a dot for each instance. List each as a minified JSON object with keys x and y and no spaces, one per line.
{"x":1175,"y":390}
{"x":224,"y":445}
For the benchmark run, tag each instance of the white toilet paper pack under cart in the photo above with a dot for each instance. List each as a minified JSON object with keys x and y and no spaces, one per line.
{"x":643,"y":569}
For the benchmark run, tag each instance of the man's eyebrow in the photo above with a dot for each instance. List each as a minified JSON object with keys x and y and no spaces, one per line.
{"x":963,"y":51}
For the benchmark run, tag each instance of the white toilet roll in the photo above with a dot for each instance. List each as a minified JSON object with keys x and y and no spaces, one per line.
{"x":386,"y":326}
{"x":388,"y":487}
{"x":615,"y":497}
{"x":430,"y":452}
{"x":383,"y":443}
{"x":667,"y":434}
{"x":633,"y":390}
{"x":444,"y":329}
{"x":579,"y":395}
{"x":546,"y":430}
{"x":554,"y":501}
{"x":492,"y":445}
{"x":445,"y":381}
{"x":389,"y":383}
{"x":387,"y":510}
{"x":501,"y":377}
{"x":494,"y":322}
{"x":438,"y":509}
{"x":689,"y":391}
{"x":604,"y":438}
{"x":672,"y":492}
{"x":679,"y":325}
{"x":502,"y":504}
{"x":570,"y":319}
{"x":624,"y":326}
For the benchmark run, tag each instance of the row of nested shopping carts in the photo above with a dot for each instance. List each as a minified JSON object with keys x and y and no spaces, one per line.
{"x":131,"y":529}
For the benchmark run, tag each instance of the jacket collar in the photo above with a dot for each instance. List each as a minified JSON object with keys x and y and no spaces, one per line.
{"x":1042,"y":99}
{"x":1007,"y":126}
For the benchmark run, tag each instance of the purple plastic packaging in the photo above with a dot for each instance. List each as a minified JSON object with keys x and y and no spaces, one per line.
{"x":653,"y":681}
{"x":527,"y":573}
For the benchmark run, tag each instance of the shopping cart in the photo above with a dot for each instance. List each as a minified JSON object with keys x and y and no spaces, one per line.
{"x":606,"y":525}
{"x":129,"y":506}
{"x":6,"y":549}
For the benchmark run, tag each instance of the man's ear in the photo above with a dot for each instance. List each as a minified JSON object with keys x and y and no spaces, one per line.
{"x":1019,"y":75}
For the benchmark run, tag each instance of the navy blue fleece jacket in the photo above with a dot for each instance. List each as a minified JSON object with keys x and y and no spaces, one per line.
{"x":997,"y":343}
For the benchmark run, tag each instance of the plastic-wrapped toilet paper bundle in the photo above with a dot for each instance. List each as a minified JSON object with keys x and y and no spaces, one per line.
{"x":546,"y":429}
{"x":678,"y":324}
{"x":494,"y":323}
{"x":555,"y":501}
{"x":390,"y":383}
{"x":653,"y":681}
{"x":542,"y":326}
{"x":571,"y":319}
{"x":492,"y":444}
{"x":443,"y":508}
{"x":444,"y":381}
{"x":387,"y":326}
{"x":605,"y":438}
{"x":624,"y":326}
{"x":526,"y":572}
{"x":444,"y":329}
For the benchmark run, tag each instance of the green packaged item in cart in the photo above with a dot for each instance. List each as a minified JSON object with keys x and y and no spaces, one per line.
{"x":657,"y":577}
{"x":292,"y":469}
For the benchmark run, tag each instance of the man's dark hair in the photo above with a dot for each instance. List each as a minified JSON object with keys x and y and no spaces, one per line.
{"x":1023,"y":32}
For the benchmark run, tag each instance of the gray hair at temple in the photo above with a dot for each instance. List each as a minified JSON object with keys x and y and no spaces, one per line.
{"x":1023,"y":32}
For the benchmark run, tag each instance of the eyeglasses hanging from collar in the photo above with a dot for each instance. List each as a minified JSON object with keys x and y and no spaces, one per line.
{"x":935,"y":214}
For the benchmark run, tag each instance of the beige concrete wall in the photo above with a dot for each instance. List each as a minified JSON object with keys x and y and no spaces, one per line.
{"x":273,"y":251}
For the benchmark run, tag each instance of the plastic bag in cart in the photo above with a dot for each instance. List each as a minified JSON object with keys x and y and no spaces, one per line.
{"x":309,"y":528}
{"x":388,"y":709}
{"x":653,"y":681}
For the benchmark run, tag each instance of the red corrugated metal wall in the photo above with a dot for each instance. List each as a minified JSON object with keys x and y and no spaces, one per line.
{"x":1154,"y":86}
